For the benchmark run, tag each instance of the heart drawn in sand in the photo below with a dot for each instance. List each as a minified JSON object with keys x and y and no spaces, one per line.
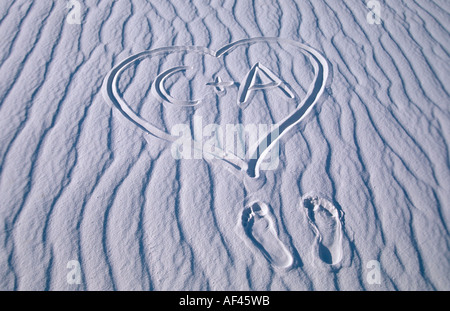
{"x":258,"y":81}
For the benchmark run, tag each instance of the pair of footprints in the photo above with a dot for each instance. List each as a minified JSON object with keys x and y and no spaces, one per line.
{"x":324,"y":218}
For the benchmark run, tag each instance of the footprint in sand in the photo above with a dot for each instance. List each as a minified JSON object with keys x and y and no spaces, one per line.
{"x":260,"y":229}
{"x":325,"y":220}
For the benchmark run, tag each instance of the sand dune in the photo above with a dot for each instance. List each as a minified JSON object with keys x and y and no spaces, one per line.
{"x":363,"y":168}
